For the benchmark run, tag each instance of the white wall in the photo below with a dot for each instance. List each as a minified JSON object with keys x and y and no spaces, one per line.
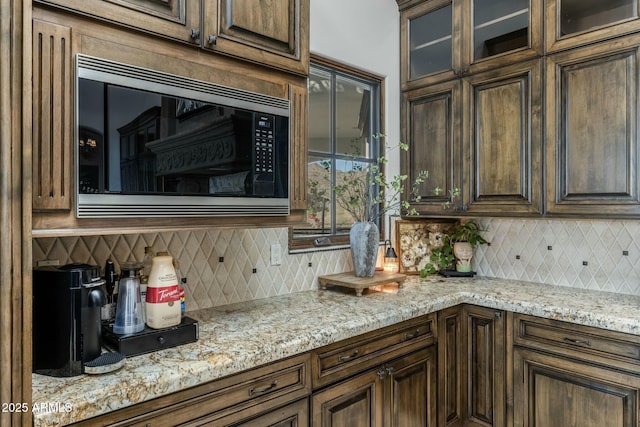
{"x":364,"y":34}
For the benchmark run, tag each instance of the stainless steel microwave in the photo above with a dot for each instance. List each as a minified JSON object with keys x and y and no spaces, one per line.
{"x":153,"y":144}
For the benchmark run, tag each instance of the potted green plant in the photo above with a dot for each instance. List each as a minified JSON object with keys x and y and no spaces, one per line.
{"x":464,"y":238}
{"x":457,"y":245}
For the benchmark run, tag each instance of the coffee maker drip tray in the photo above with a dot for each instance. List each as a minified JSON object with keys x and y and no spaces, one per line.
{"x":150,"y":340}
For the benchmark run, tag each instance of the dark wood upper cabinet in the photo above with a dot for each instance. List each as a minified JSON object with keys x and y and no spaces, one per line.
{"x":176,"y":19}
{"x":572,"y":23}
{"x":592,"y":129}
{"x":269,"y":32}
{"x":432,"y":124}
{"x":444,"y":39}
{"x":556,"y":134}
{"x":58,"y":35}
{"x":505,"y":140}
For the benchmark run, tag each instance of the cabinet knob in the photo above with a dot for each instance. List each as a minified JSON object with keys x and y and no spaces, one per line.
{"x":498,"y":314}
{"x":211,"y":39}
{"x":195,"y":34}
{"x":381,"y":374}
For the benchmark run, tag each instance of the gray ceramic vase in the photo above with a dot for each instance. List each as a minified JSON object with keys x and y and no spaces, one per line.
{"x":364,"y":238}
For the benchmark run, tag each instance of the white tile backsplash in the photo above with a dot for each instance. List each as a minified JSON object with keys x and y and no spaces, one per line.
{"x":210,"y":282}
{"x":580,"y":253}
{"x":536,"y":250}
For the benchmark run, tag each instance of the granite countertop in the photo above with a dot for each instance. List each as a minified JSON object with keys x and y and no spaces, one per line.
{"x":242,"y":336}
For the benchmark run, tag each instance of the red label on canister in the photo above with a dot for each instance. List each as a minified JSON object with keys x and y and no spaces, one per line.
{"x":163,"y":294}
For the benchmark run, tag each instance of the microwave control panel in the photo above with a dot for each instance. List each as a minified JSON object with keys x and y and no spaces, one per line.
{"x":263,"y":154}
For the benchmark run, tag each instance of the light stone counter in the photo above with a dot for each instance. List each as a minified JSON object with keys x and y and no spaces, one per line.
{"x":243,"y":336}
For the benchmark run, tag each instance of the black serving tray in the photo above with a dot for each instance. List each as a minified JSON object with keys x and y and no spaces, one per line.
{"x":454,"y":273}
{"x":150,"y":340}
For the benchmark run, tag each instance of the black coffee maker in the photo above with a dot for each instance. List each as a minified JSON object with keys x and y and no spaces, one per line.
{"x":66,"y":318}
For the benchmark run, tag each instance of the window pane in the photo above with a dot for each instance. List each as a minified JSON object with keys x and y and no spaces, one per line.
{"x":581,"y":15}
{"x":353,"y":117}
{"x":318,"y":197}
{"x":353,"y":193}
{"x":499,"y":26}
{"x":344,"y":119}
{"x":319,"y":111}
{"x":430,"y":44}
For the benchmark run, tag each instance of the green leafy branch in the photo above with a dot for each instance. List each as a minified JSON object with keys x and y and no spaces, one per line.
{"x":355,"y":192}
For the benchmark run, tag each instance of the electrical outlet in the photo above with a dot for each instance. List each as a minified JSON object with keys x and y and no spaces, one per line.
{"x":276,"y":254}
{"x":46,"y":262}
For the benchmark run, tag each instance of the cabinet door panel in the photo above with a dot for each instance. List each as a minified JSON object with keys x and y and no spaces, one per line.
{"x":553,"y":391}
{"x":430,"y":46}
{"x":413,"y":390}
{"x":484,"y":331}
{"x":432,"y":126}
{"x":592,"y":106}
{"x":449,"y":367}
{"x":272,"y":32}
{"x":357,"y":402}
{"x":173,"y":19}
{"x":506,"y":155}
{"x":573,"y":23}
{"x":274,"y":22}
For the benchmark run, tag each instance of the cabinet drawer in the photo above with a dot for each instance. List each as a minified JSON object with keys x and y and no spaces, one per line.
{"x":339,"y":360}
{"x":269,"y":386}
{"x":576,"y":340}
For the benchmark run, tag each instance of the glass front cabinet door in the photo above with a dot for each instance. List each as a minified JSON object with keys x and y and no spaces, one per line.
{"x":430,"y":47}
{"x":444,"y":39}
{"x":572,"y":23}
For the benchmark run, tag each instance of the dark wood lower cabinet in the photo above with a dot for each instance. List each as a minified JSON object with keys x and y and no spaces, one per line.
{"x":400,"y":393}
{"x":356,"y":402}
{"x":484,"y":367}
{"x":293,"y":415}
{"x":450,"y":367}
{"x":552,"y":391}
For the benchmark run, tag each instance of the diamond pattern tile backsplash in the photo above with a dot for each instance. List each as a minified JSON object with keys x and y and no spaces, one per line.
{"x":219,"y":264}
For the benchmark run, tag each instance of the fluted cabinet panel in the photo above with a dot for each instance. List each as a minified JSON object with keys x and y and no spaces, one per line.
{"x":52,"y":112}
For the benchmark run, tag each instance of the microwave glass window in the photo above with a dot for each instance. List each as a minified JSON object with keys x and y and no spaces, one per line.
{"x":151,"y":143}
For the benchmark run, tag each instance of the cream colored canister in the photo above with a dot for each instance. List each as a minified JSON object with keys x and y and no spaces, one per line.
{"x":163,"y":294}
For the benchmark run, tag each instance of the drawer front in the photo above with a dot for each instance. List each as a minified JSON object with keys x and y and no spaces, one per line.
{"x":268,"y":386}
{"x":576,"y":340}
{"x":335,"y":361}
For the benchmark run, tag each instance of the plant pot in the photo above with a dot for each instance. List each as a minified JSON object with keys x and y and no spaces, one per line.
{"x":463,"y":251}
{"x":364,"y":238}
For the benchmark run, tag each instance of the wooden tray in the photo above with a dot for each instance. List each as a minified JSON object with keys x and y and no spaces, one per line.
{"x":349,"y":280}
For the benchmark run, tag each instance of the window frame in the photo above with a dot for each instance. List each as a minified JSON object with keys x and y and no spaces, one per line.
{"x":342,"y":240}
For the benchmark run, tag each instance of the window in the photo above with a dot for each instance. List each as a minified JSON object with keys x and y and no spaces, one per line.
{"x":344,"y":119}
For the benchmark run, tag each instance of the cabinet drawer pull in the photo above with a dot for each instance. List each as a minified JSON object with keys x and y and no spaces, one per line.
{"x":408,"y":337}
{"x":576,"y":342}
{"x":344,"y":358}
{"x":261,"y":390}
